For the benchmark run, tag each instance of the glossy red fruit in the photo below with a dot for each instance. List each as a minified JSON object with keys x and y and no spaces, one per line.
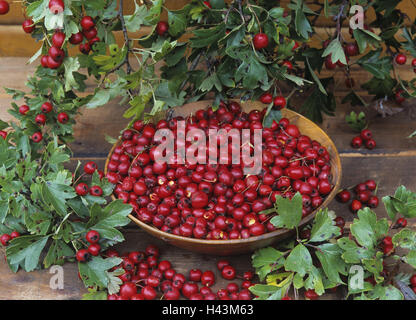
{"x":87,"y":23}
{"x":82,"y":189}
{"x":96,"y":191}
{"x":90,"y":167}
{"x":4,"y":7}
{"x":189,"y":289}
{"x":44,"y":61}
{"x":162,"y":27}
{"x":94,"y":249}
{"x":287,"y":64}
{"x":414,"y":63}
{"x":373,"y":202}
{"x":266,"y":98}
{"x":37,"y":137}
{"x":208,"y":278}
{"x":40,"y":119}
{"x":76,"y":38}
{"x":221,"y":264}
{"x":344,"y":196}
{"x":228,"y":273}
{"x":52,"y":63}
{"x":172,"y":294}
{"x":3,"y":134}
{"x":28,"y":26}
{"x":127,"y":290}
{"x":56,"y":6}
{"x":401,"y":223}
{"x":199,"y":200}
{"x":92,"y":236}
{"x":370,"y":144}
{"x":4,"y":239}
{"x":279,"y":102}
{"x":90,"y":34}
{"x":82,"y":255}
{"x":85,"y":48}
{"x":329,"y":64}
{"x":14,"y":234}
{"x":355,"y":206}
{"x":58,"y":39}
{"x":357,"y":142}
{"x":46,"y":107}
{"x":352,"y":49}
{"x":371,"y":185}
{"x":400,"y":59}
{"x":311,"y":294}
{"x":366,"y":134}
{"x":340,"y":222}
{"x":195,"y":275}
{"x":260,"y":40}
{"x":413,"y":280}
{"x":63,"y":117}
{"x":56,"y":54}
{"x":23,"y":109}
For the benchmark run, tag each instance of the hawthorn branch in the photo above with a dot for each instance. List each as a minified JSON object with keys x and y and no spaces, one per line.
{"x":126,"y":38}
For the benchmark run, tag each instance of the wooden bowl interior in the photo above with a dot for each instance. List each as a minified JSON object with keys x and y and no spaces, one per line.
{"x":232,"y":247}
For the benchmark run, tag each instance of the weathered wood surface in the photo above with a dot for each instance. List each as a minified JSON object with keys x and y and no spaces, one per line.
{"x":392,"y":163}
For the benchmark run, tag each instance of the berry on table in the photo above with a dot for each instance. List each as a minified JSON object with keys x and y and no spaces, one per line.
{"x":400,"y":59}
{"x":357,"y":142}
{"x":344,"y":196}
{"x":228,"y":273}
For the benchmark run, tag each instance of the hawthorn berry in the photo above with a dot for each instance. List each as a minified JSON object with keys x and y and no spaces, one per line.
{"x":87,"y":23}
{"x":221,"y":264}
{"x":3,"y":134}
{"x":352,"y":49}
{"x":46,"y":107}
{"x":398,"y":96}
{"x":355,"y":205}
{"x":28,"y":26}
{"x":279,"y":102}
{"x":189,"y":288}
{"x":373,"y":202}
{"x":23,"y":109}
{"x":4,"y":7}
{"x":344,"y":196}
{"x":53,"y":64}
{"x":85,"y":48}
{"x":370,"y":144}
{"x":92,"y":236}
{"x":63,"y":117}
{"x":94,"y":249}
{"x":82,"y":255}
{"x":82,"y":189}
{"x":40,"y":119}
{"x":357,"y":142}
{"x":127,"y":290}
{"x":413,"y":280}
{"x":56,"y":6}
{"x":371,"y":185}
{"x":260,"y":41}
{"x":228,"y":272}
{"x":400,"y":59}
{"x":76,"y":38}
{"x":208,"y":278}
{"x":14,"y":234}
{"x":96,"y":191}
{"x":56,"y":54}
{"x":90,"y":167}
{"x":162,"y":27}
{"x":37,"y":137}
{"x":266,"y":98}
{"x":58,"y":39}
{"x":4,"y":239}
{"x":208,"y":4}
{"x":401,"y":223}
{"x":195,"y":275}
{"x":366,"y":134}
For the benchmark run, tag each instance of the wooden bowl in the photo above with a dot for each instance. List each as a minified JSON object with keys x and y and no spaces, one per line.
{"x":234,"y":247}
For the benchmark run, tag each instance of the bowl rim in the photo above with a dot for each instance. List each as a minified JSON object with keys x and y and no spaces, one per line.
{"x":266,"y":236}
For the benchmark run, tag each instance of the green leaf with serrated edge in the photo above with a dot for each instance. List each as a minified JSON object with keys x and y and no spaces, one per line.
{"x":94,"y":272}
{"x":267,"y":260}
{"x":263,"y":291}
{"x":410,"y":258}
{"x":57,"y":253}
{"x":336,"y":51}
{"x":314,"y":281}
{"x":4,"y":209}
{"x":356,"y":121}
{"x":298,"y":281}
{"x":352,"y":252}
{"x":405,"y":239}
{"x":388,"y":205}
{"x":381,"y":292}
{"x":315,"y":77}
{"x":332,"y":263}
{"x":323,"y":227}
{"x":26,"y":250}
{"x":363,"y":228}
{"x":289,"y":212}
{"x":299,"y":260}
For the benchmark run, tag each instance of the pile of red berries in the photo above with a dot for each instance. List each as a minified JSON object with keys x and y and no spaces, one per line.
{"x":146,"y":278}
{"x":5,"y":238}
{"x":210,"y":201}
{"x":363,"y":196}
{"x":366,"y":138}
{"x":45,"y":115}
{"x":279,"y":102}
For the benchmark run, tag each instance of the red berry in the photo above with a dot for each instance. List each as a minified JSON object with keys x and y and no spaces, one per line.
{"x":87,"y":23}
{"x":329,"y":64}
{"x":387,"y":241}
{"x":355,"y":206}
{"x":40,"y":119}
{"x":63,"y":117}
{"x":14,"y":234}
{"x":90,"y":34}
{"x":85,"y":48}
{"x":53,"y":64}
{"x":4,"y":239}
{"x":23,"y":109}
{"x":228,"y":273}
{"x":152,"y":250}
{"x":76,"y":38}
{"x":162,"y":27}
{"x":311,"y":294}
{"x":413,"y":280}
{"x":357,"y":142}
{"x":373,"y":202}
{"x":399,"y":97}
{"x":172,"y":294}
{"x":208,"y":278}
{"x":28,"y":26}
{"x":366,"y":134}
{"x":221,"y":264}
{"x":260,"y":40}
{"x":195,"y":275}
{"x":44,"y":61}
{"x":279,"y":102}
{"x":370,"y":144}
{"x":90,"y":167}
{"x":400,"y":58}
{"x":199,"y":200}
{"x":56,"y":54}
{"x":96,"y":191}
{"x":207,"y":4}
{"x":46,"y":107}
{"x":371,"y":185}
{"x":287,"y":64}
{"x":189,"y":289}
{"x":56,"y":6}
{"x":248,"y":275}
{"x":58,"y":39}
{"x":128,"y":290}
{"x":266,"y":98}
{"x":344,"y":196}
{"x":339,"y":222}
{"x":82,"y":255}
{"x":92,"y":236}
{"x":37,"y":137}
{"x":4,"y":7}
{"x":401,"y":223}
{"x":352,"y":49}
{"x":94,"y":249}
{"x":82,"y":189}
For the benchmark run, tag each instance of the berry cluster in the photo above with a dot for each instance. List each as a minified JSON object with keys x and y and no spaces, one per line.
{"x":41,"y":118}
{"x":146,"y":278}
{"x":82,"y":189}
{"x":363,"y":196}
{"x":93,"y":249}
{"x":210,"y":201}
{"x":5,"y":238}
{"x":366,"y":138}
{"x":279,"y":102}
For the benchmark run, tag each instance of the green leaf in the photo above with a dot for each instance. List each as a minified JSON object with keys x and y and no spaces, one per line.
{"x":289,"y":212}
{"x":267,"y":260}
{"x":364,"y":227}
{"x":302,"y":24}
{"x":356,"y":121}
{"x":271,"y":115}
{"x":410,"y":258}
{"x":352,"y":252}
{"x":4,"y":209}
{"x":263,"y":291}
{"x":299,"y":260}
{"x":94,"y":295}
{"x":177,"y":22}
{"x":405,"y":239}
{"x":71,"y":65}
{"x":58,"y":252}
{"x":26,"y":250}
{"x":56,"y":194}
{"x":323,"y":227}
{"x":332,"y":263}
{"x":95,"y":272}
{"x":315,"y":77}
{"x":336,"y":51}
